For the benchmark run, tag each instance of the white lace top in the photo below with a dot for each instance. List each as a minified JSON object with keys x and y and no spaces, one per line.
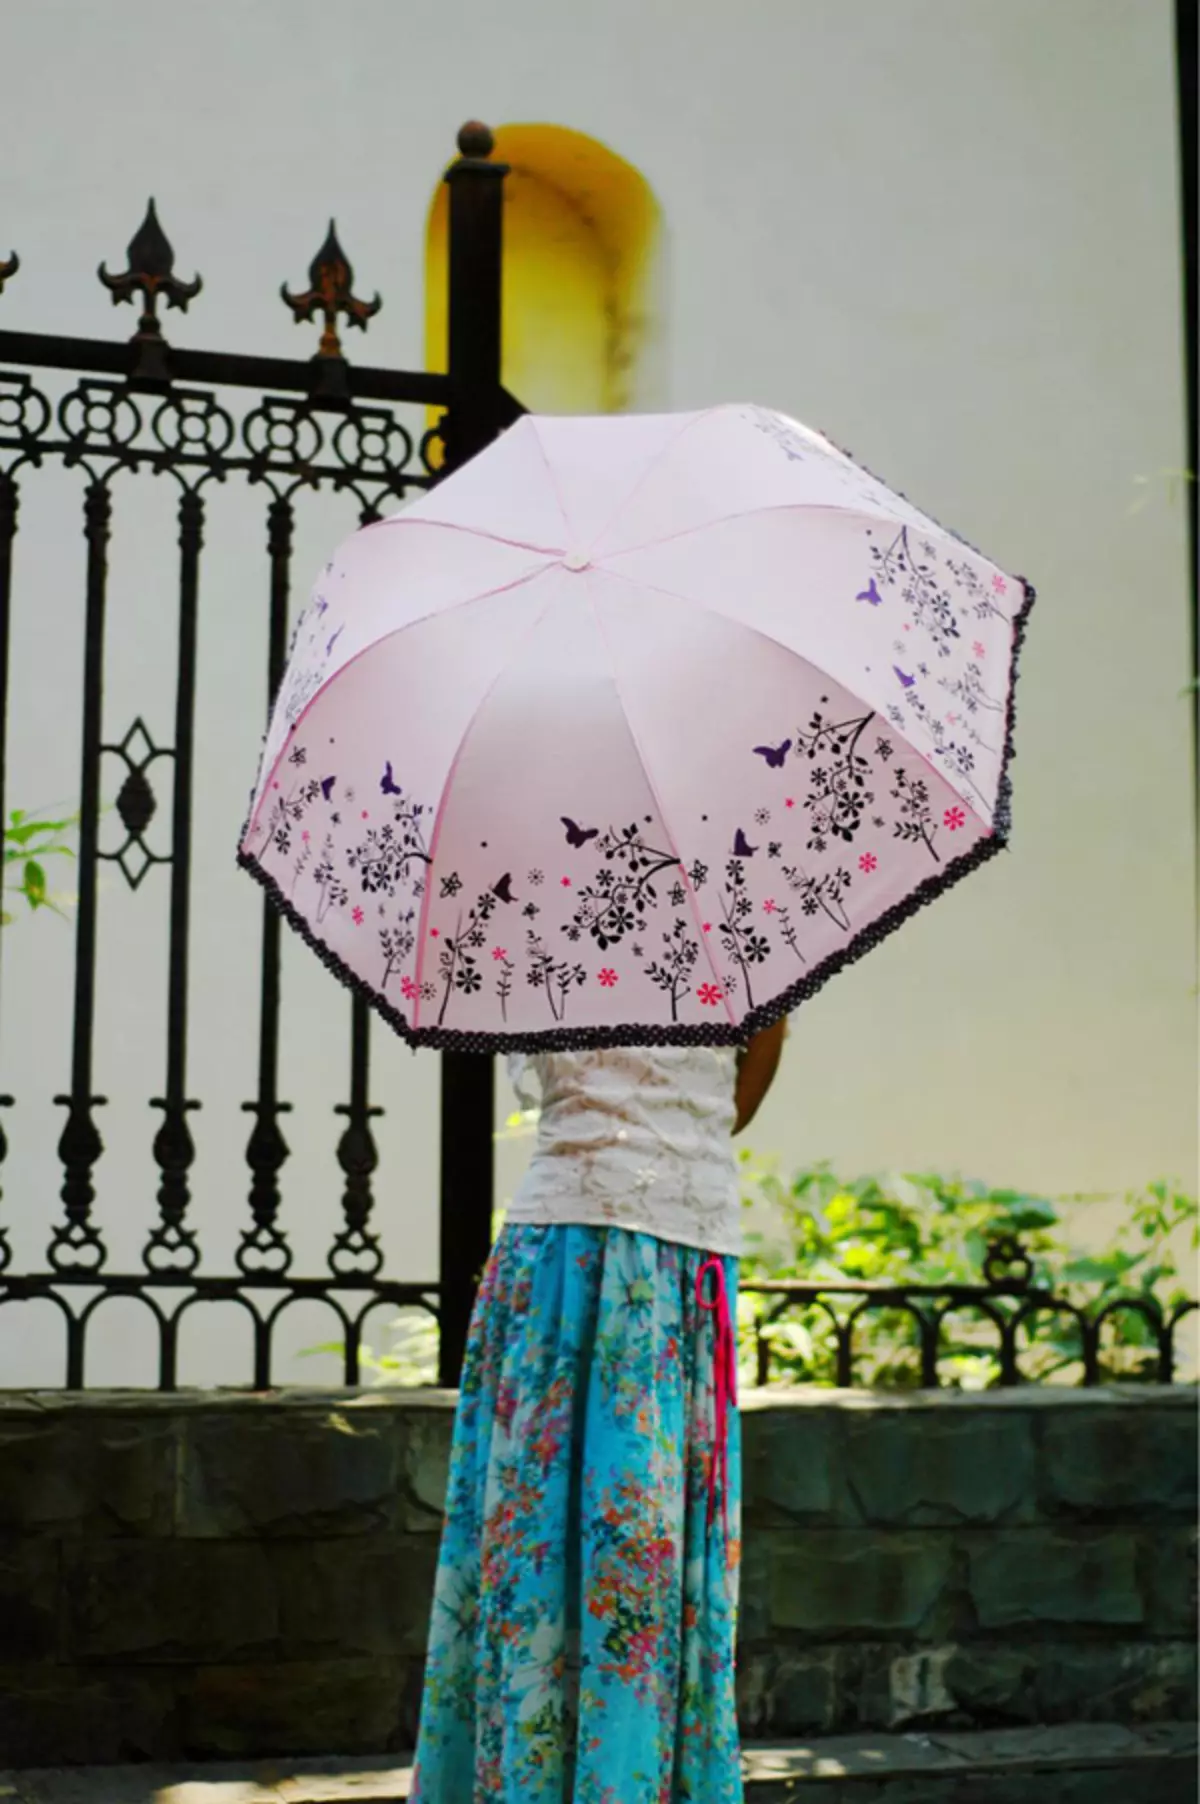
{"x":637,"y":1138}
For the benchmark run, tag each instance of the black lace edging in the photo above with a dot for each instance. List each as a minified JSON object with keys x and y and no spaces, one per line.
{"x":580,"y":1039}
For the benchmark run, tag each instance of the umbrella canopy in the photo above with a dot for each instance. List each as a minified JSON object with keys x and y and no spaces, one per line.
{"x":635,"y":729}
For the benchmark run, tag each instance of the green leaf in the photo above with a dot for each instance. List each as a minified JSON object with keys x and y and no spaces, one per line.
{"x":34,"y":883}
{"x":1110,"y":1268}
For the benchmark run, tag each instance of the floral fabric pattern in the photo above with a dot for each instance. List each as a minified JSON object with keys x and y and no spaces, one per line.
{"x":581,"y":1648}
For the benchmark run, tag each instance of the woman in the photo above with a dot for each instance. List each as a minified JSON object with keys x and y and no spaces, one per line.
{"x":581,"y":1648}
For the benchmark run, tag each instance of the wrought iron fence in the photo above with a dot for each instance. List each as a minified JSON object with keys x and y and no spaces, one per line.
{"x":290,"y":428}
{"x":1001,"y":1329}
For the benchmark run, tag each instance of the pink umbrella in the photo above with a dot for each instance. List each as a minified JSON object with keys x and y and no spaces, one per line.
{"x":636,"y":729}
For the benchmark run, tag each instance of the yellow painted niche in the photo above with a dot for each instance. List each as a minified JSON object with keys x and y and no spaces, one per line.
{"x":581,"y":271}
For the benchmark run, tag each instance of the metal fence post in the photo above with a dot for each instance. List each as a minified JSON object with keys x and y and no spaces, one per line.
{"x":476,"y":415}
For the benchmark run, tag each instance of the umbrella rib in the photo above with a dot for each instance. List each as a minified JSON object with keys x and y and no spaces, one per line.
{"x":746,"y":626}
{"x":268,"y":776}
{"x":788,"y":507}
{"x":693,"y":420}
{"x":553,"y":479}
{"x":440,"y":813}
{"x":474,"y":532}
{"x":687,"y":883}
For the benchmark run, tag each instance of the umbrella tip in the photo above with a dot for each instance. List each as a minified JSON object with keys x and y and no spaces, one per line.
{"x":476,"y":139}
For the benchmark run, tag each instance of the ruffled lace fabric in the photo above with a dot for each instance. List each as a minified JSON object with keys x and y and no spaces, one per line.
{"x":638,"y":1138}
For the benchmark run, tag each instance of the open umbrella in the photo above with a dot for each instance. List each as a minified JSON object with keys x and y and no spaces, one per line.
{"x":636,"y":729}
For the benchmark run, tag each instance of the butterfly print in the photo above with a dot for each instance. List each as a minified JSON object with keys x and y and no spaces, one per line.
{"x":774,"y":754}
{"x":327,"y":784}
{"x":871,"y":594}
{"x":741,"y":849}
{"x":906,"y":682}
{"x":577,"y":836}
{"x":503,"y":889}
{"x":388,"y":783}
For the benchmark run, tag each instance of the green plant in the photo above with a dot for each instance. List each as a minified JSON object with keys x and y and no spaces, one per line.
{"x":29,"y":840}
{"x":931,"y":1230}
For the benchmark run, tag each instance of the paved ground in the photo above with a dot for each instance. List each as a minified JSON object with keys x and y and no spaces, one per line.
{"x":1076,"y":1764}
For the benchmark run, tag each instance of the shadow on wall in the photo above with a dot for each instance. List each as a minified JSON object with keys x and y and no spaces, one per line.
{"x":583,"y":276}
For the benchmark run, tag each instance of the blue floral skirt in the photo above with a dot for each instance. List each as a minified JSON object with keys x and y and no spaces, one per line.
{"x":581,"y":1648}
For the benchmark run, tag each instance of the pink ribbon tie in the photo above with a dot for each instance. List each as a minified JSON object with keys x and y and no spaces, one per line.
{"x":724,"y":1385}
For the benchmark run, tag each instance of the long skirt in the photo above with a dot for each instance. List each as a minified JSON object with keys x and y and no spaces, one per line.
{"x":581,"y":1649}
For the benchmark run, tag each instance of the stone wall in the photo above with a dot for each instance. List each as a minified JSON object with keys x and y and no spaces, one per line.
{"x":219,"y":1574}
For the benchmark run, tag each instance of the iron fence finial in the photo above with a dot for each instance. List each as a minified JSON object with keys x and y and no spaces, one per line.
{"x":476,"y":139}
{"x":150,"y":273}
{"x":330,"y":292}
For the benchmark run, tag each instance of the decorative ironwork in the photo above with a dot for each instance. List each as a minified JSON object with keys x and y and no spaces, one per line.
{"x":330,"y":292}
{"x":146,"y":407}
{"x":1008,"y":1301}
{"x":264,"y":1247}
{"x":136,"y":804}
{"x":151,"y":274}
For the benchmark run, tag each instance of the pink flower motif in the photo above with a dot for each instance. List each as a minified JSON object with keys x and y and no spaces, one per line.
{"x":979,"y":648}
{"x":365,"y":815}
{"x":791,"y":802}
{"x":607,"y":978}
{"x":709,"y":994}
{"x":868,"y":863}
{"x":954,"y":819}
{"x":566,"y":883}
{"x":498,"y":953}
{"x":708,"y":926}
{"x":769,"y":906}
{"x":999,"y":584}
{"x":356,"y":915}
{"x":435,"y":933}
{"x":408,"y":988}
{"x":306,"y":836}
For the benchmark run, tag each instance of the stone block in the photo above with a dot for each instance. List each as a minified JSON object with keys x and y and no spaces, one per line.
{"x":1042,"y":1575}
{"x":167,"y":1602}
{"x":69,"y":1715}
{"x":940,"y":1467}
{"x":1123,"y":1682}
{"x":87,"y":1474}
{"x":789,"y":1458}
{"x":836,"y":1581}
{"x":296,"y":1707}
{"x":754,"y":1587}
{"x":951,"y":1684}
{"x":1168,"y":1565}
{"x":1134,"y":1460}
{"x":992,"y":1682}
{"x":346,"y":1598}
{"x":28,"y":1599}
{"x":324,"y":1472}
{"x":426,"y":1468}
{"x":783,"y":1691}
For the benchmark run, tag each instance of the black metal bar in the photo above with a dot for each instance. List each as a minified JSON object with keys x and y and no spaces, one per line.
{"x":76,"y":1242}
{"x":173,"y":1243}
{"x":476,"y":250}
{"x":40,"y":350}
{"x":264,"y":1246}
{"x":356,"y":1250}
{"x":9,"y":501}
{"x":476,"y":417}
{"x":1187,"y":66}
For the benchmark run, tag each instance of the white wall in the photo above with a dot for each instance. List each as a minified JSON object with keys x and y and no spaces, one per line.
{"x":943,"y":230}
